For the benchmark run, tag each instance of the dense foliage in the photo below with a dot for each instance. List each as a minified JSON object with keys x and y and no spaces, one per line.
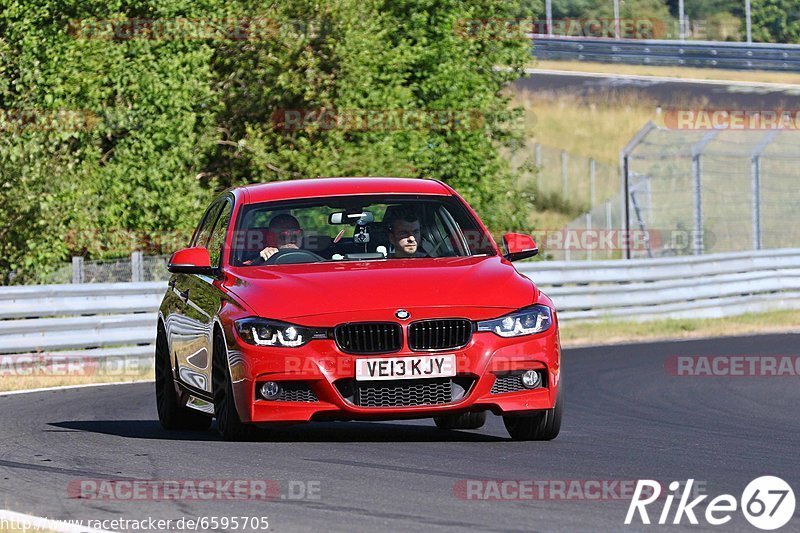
{"x":776,"y":21}
{"x":120,"y":119}
{"x":114,"y":136}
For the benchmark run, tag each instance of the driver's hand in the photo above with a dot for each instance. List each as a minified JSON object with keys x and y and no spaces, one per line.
{"x":267,"y":252}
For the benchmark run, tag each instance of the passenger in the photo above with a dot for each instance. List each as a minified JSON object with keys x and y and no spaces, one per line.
{"x":404,"y":233}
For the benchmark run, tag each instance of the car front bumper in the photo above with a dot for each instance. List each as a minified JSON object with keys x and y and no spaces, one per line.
{"x":326,"y":371}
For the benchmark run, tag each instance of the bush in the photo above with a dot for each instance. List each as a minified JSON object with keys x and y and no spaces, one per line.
{"x":724,"y":26}
{"x":164,"y":124}
{"x":776,"y":21}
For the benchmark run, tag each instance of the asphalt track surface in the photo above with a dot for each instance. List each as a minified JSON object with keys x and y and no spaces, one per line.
{"x":626,"y":418}
{"x":664,"y":93}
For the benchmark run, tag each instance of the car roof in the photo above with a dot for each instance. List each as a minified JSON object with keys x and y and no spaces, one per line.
{"x":326,"y":187}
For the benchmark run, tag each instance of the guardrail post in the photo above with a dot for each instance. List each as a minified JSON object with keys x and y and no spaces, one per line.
{"x":756,"y":174}
{"x":564,"y":174}
{"x":699,"y":245}
{"x":609,"y":224}
{"x":77,"y":269}
{"x":589,"y":230}
{"x":592,"y":192}
{"x":137,"y":267}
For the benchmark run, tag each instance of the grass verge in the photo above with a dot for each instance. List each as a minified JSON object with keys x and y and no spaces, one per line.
{"x":616,"y":332}
{"x":589,"y":127}
{"x":690,"y":73}
{"x":44,"y":378}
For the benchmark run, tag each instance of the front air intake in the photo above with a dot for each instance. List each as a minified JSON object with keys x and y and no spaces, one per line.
{"x":439,"y":334}
{"x":369,"y":337}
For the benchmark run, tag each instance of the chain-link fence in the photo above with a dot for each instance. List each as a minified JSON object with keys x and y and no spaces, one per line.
{"x":692,"y":192}
{"x":137,"y":267}
{"x":580,"y":181}
{"x":572,"y":183}
{"x":712,"y":191}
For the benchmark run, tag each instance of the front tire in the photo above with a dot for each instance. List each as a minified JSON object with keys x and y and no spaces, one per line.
{"x":541,"y":425}
{"x":171,"y":414}
{"x":461,"y":420}
{"x":229,"y":425}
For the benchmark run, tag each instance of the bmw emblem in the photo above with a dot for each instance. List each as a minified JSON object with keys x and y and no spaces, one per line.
{"x":402,"y":314}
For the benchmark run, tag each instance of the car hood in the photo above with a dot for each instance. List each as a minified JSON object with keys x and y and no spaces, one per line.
{"x":486,"y":286}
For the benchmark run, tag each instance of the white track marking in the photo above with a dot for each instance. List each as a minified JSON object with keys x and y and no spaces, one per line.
{"x":65,"y":387}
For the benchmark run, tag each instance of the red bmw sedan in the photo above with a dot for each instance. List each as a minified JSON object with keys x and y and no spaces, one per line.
{"x":354,"y":299}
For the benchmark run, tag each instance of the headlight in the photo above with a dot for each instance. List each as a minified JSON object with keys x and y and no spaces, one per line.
{"x":262,"y":332}
{"x":528,"y":321}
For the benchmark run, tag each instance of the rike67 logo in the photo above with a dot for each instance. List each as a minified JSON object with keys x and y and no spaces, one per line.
{"x":767,"y":502}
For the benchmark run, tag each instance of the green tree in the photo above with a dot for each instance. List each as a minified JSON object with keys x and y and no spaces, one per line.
{"x":531,"y":9}
{"x":128,"y":163}
{"x":170,"y":119}
{"x":776,"y":21}
{"x":374,"y":55}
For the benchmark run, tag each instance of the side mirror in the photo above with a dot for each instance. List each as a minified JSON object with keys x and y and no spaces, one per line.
{"x":191,"y":261}
{"x":519,"y":246}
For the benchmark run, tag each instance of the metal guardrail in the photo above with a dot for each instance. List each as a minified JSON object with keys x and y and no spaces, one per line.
{"x":119,"y":319}
{"x":740,"y":56}
{"x":714,"y":285}
{"x":102,"y":319}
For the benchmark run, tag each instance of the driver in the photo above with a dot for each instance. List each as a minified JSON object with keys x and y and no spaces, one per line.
{"x":284,"y":233}
{"x":404,"y":233}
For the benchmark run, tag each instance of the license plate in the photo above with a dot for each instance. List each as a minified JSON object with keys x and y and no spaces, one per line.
{"x":425,"y":366}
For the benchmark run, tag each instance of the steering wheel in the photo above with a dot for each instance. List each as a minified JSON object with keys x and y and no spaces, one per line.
{"x":292,"y":256}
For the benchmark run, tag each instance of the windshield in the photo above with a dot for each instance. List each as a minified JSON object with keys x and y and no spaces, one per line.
{"x":356,"y":228}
